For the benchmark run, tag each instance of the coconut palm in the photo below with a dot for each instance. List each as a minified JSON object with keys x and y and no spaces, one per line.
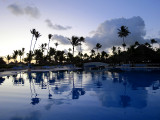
{"x":49,"y":37}
{"x":51,"y":52}
{"x":136,"y":44}
{"x":38,"y":56}
{"x":119,"y":50}
{"x":37,"y":35}
{"x":74,"y":42}
{"x":43,"y":47}
{"x":56,"y":44}
{"x":15,"y":54}
{"x":23,"y":51}
{"x":81,"y":39}
{"x":33,"y":32}
{"x":104,"y":55}
{"x":8,"y":58}
{"x":147,"y":44}
{"x":92,"y":53}
{"x":20,"y":53}
{"x":98,"y":46}
{"x":122,"y":33}
{"x":69,"y":50}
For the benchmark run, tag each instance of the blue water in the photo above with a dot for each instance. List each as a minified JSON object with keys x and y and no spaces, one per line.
{"x":80,"y":96}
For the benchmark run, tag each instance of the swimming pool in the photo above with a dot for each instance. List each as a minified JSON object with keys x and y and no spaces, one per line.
{"x":83,"y":95}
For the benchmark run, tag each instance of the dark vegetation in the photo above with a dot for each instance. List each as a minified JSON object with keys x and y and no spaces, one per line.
{"x":49,"y":55}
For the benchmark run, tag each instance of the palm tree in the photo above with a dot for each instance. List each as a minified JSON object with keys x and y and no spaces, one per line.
{"x":114,"y":50}
{"x":74,"y":42}
{"x":56,"y":44}
{"x":37,"y":35}
{"x":49,"y":37}
{"x":52,"y":51}
{"x":81,"y":39}
{"x":8,"y":58}
{"x":147,"y":44}
{"x":15,"y":54}
{"x":43,"y":47}
{"x":69,"y":50}
{"x":98,"y":46}
{"x":20,"y":53}
{"x":122,"y":33}
{"x":119,"y":50}
{"x":136,"y":43}
{"x":33,"y":32}
{"x":23,"y":51}
{"x":104,"y":55}
{"x":153,"y":41}
{"x":92,"y":53}
{"x":86,"y":56}
{"x":38,"y":56}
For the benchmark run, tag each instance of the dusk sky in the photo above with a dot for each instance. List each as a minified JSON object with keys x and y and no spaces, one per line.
{"x":97,"y":20}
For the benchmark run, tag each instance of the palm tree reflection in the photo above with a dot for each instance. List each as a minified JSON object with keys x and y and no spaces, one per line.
{"x":76,"y":92}
{"x":48,"y":85}
{"x":34,"y":99}
{"x":125,"y":99}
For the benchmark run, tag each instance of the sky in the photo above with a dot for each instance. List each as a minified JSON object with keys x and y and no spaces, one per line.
{"x":96,"y":20}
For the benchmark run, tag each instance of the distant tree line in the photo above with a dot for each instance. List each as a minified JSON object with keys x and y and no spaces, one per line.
{"x":49,"y":55}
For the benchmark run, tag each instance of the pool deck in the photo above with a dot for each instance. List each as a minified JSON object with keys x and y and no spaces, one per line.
{"x":14,"y":72}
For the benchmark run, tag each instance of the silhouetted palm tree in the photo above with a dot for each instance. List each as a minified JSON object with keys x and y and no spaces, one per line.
{"x":69,"y":50}
{"x":114,"y":50}
{"x":15,"y":54}
{"x":56,"y":44}
{"x":33,"y":31}
{"x":49,"y":37}
{"x":51,"y":52}
{"x":37,"y":35}
{"x":98,"y":46}
{"x":123,"y":32}
{"x":147,"y":44}
{"x":74,"y":42}
{"x":38,"y":56}
{"x":104,"y":55}
{"x":136,"y":44}
{"x":8,"y":58}
{"x":23,"y":51}
{"x":20,"y":53}
{"x":81,"y":39}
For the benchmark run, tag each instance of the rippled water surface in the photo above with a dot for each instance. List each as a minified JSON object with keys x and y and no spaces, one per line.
{"x":80,"y":96}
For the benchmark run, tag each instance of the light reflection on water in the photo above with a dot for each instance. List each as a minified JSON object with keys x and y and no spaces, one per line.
{"x":80,"y":95}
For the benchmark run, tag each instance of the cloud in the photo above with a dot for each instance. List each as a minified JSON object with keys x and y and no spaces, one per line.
{"x":63,"y":40}
{"x":16,"y":9}
{"x":32,"y":11}
{"x":56,"y":27}
{"x":106,"y":33}
{"x":28,"y":10}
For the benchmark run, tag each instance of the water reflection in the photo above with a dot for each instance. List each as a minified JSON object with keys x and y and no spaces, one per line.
{"x":2,"y":80}
{"x":77,"y":91}
{"x":34,"y":96}
{"x":56,"y":92}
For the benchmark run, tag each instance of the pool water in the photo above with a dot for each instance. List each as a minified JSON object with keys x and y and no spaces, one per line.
{"x":133,"y":95}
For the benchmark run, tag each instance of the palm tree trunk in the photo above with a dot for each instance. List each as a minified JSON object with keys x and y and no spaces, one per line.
{"x":31,"y":42}
{"x":20,"y":59}
{"x":73,"y":50}
{"x":34,"y":45}
{"x":123,"y":40}
{"x":123,"y":43}
{"x":48,"y":46}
